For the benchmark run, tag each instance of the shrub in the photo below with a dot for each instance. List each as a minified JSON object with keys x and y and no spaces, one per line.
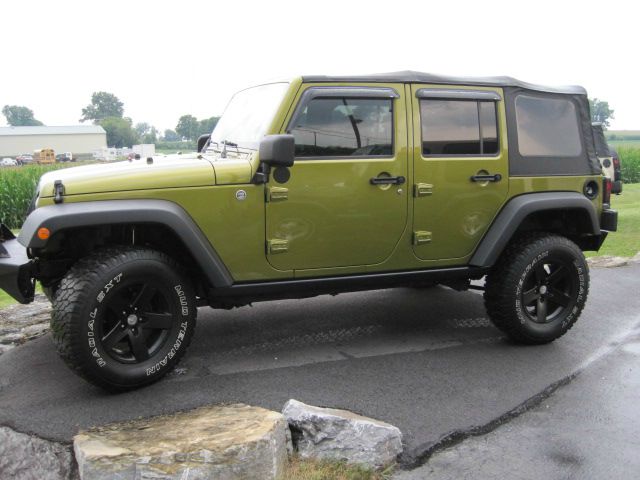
{"x":182,"y":146}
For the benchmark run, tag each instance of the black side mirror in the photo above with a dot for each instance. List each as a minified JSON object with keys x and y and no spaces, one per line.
{"x":277,"y":150}
{"x":202,"y":140}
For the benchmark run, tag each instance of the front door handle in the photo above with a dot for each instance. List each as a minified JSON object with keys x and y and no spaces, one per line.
{"x":387,"y":180}
{"x":486,"y":178}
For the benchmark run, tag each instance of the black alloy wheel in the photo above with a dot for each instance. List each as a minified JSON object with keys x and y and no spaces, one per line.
{"x":538,"y":288}
{"x":550,"y":290}
{"x":123,"y":317}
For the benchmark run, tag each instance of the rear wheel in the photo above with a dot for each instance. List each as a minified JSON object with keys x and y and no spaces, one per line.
{"x":123,"y":317}
{"x":538,"y":288}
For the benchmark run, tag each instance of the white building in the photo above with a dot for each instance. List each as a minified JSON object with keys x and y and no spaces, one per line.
{"x":81,"y":140}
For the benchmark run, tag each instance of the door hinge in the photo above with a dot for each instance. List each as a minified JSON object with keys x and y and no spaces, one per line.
{"x":422,"y":189}
{"x":276,"y":245}
{"x":277,"y":194}
{"x":421,"y":237}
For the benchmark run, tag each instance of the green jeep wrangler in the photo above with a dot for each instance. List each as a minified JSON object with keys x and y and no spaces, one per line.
{"x":321,"y":185}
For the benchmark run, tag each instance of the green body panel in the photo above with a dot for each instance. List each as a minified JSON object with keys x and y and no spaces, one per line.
{"x":522,"y":185}
{"x":234,"y":170}
{"x":134,"y":175}
{"x":234,"y":228}
{"x":458,"y":212}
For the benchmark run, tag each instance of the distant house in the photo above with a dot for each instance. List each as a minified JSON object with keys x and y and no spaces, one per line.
{"x":81,"y":140}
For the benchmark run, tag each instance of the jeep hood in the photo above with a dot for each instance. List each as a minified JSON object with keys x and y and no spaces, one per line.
{"x":171,"y":171}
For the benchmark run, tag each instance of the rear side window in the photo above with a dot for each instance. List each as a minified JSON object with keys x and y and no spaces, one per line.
{"x":458,"y":127}
{"x":547,"y":127}
{"x":344,"y":127}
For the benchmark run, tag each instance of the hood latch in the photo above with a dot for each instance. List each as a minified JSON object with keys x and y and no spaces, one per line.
{"x":58,"y":191}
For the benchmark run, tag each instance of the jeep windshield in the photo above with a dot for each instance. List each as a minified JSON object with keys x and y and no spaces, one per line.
{"x":247,"y":116}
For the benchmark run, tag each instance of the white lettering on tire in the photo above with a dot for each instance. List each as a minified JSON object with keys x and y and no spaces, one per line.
{"x":174,"y":349}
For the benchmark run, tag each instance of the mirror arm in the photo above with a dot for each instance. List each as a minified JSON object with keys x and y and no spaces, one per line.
{"x":262,"y":175}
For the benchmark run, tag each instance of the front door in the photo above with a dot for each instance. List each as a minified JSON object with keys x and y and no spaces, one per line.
{"x":345,"y":201}
{"x":461,"y":168}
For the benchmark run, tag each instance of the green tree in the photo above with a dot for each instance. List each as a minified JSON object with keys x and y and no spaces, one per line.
{"x":207,"y":125}
{"x":18,"y":116}
{"x":103,"y":105}
{"x":119,"y":132}
{"x":188,"y":127}
{"x":600,"y":111}
{"x":170,"y":136}
{"x":142,"y":128}
{"x":147,"y":133}
{"x":151,"y":136}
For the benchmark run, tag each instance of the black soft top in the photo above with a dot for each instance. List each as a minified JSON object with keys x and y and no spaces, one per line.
{"x":409,"y":76}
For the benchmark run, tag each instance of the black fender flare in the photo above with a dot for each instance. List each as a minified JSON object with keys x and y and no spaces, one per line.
{"x":113,"y":212}
{"x":517,"y":209}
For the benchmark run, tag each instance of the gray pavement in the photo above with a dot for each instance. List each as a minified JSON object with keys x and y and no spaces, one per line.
{"x":427,"y":361}
{"x":587,"y":429}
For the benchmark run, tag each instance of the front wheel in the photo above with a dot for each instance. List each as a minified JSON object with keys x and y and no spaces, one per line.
{"x":538,"y":288}
{"x":123,"y":317}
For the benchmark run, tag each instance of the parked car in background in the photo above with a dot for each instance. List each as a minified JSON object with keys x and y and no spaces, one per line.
{"x":617,"y":174}
{"x":8,"y":162}
{"x":602,"y":150}
{"x":65,"y":157}
{"x":25,"y":158}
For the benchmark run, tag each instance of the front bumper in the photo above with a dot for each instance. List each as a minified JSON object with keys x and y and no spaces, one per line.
{"x":15,"y":268}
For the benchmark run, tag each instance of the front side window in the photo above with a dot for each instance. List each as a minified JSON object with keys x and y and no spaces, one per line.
{"x":458,"y":127}
{"x":547,"y":127}
{"x":344,"y":127}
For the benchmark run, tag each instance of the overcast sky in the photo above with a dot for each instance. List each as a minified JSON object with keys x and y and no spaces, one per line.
{"x":165,"y":59}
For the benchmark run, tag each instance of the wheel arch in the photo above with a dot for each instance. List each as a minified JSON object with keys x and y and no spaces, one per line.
{"x":151,"y":215}
{"x":567,"y":213}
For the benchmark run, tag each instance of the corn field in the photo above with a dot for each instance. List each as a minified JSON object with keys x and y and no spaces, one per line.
{"x":17,"y":186}
{"x":630,"y":163}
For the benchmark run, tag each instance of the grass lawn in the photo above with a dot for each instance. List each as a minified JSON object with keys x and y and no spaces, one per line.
{"x":299,"y":469}
{"x":625,"y":242}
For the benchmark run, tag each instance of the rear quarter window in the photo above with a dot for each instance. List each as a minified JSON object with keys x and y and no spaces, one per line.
{"x":547,"y":127}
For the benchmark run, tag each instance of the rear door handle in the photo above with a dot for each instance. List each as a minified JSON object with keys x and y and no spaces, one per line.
{"x":486,"y":178}
{"x":387,"y":180}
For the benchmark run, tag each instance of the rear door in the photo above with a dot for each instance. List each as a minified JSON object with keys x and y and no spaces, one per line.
{"x":345,"y":201}
{"x":460,"y":161}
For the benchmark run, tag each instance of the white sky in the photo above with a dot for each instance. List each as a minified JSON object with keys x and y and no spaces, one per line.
{"x":165,"y":59}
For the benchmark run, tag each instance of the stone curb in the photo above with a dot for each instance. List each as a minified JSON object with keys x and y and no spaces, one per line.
{"x":612,"y":261}
{"x":25,"y":456}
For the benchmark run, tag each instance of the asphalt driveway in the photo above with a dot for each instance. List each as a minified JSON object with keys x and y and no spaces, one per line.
{"x":427,"y":361}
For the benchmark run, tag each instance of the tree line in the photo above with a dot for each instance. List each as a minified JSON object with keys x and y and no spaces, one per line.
{"x":107,"y":111}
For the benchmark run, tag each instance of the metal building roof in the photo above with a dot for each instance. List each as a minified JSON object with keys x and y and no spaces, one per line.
{"x":46,"y":130}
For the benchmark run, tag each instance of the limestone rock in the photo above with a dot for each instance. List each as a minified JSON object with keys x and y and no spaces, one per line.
{"x":25,"y":457}
{"x":222,"y":442}
{"x":21,"y":323}
{"x":342,"y":435}
{"x":607,"y":261}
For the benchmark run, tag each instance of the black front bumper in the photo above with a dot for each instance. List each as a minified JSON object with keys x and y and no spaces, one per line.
{"x":15,"y":268}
